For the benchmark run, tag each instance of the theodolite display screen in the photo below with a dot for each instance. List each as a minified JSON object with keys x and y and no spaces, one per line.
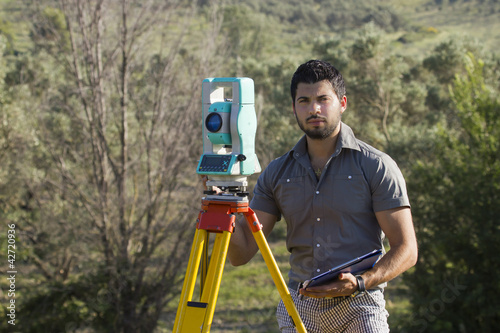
{"x":214,"y":163}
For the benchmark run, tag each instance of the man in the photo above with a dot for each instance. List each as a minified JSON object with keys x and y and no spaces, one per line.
{"x":339,"y":197}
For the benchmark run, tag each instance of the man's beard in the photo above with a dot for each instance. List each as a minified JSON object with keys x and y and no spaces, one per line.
{"x":319,"y":133}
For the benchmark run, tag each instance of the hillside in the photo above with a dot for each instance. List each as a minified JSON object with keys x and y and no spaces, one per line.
{"x":414,"y":24}
{"x":477,"y":19}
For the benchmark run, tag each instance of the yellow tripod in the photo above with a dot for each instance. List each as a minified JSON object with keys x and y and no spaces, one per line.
{"x":218,"y":216}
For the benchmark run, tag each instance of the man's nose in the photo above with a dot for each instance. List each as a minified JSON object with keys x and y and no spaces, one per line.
{"x":315,"y":108}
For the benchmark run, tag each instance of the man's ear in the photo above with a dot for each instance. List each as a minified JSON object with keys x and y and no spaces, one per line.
{"x":343,"y":103}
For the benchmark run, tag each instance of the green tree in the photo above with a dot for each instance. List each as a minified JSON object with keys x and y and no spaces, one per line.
{"x":456,"y":208}
{"x":104,"y":197}
{"x":248,"y":37}
{"x":447,"y":59}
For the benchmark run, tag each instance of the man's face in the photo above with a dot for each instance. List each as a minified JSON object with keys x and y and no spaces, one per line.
{"x":318,"y":109}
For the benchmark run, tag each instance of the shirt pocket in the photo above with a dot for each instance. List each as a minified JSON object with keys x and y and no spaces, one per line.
{"x":290,"y":195}
{"x":349,"y":193}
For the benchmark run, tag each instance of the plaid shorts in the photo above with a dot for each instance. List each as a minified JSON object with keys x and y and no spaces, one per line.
{"x":363,"y":314}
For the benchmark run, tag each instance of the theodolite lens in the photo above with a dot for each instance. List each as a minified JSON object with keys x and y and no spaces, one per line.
{"x":213,"y":122}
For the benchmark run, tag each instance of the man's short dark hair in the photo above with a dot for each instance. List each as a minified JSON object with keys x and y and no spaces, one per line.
{"x":315,"y":71}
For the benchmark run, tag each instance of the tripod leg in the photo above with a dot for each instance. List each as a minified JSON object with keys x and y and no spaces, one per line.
{"x":198,"y":316}
{"x":200,"y":237}
{"x":214,"y":276}
{"x":274,"y":270}
{"x":204,"y":263}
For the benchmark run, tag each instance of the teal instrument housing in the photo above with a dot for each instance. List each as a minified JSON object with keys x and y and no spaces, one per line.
{"x":228,"y":149}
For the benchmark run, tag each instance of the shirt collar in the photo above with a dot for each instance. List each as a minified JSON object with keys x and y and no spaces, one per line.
{"x":346,"y":140}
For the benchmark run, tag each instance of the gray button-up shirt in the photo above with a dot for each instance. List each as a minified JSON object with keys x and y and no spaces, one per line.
{"x":330,"y":220}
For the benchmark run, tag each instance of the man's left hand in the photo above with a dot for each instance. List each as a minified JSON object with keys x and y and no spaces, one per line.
{"x":345,"y":285}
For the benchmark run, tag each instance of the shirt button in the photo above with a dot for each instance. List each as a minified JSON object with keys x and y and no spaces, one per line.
{"x":288,"y":180}
{"x":318,"y":245}
{"x":317,"y":192}
{"x":318,"y":270}
{"x":318,"y":219}
{"x":349,"y":177}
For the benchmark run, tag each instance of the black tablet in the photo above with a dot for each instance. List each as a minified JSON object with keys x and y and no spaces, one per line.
{"x":354,"y":266}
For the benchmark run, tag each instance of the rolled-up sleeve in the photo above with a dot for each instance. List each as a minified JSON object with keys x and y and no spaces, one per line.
{"x":388,"y":185}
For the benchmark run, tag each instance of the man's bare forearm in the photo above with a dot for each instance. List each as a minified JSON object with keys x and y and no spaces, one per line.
{"x":242,"y":246}
{"x":393,"y":263}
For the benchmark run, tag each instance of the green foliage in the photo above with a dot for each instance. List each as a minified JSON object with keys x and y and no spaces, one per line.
{"x":84,"y":302}
{"x":246,"y":32}
{"x":88,"y":143}
{"x":448,"y":58}
{"x":7,"y":31}
{"x":50,"y":30}
{"x":456,"y":198}
{"x":330,"y":15}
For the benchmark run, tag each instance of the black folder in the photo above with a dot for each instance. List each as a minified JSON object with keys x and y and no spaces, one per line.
{"x":353,"y":266}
